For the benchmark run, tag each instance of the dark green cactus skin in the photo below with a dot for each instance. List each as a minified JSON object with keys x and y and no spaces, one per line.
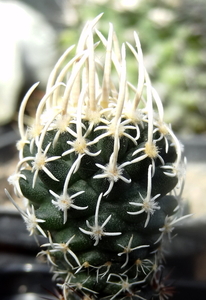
{"x":103,"y":258}
{"x":100,"y":173}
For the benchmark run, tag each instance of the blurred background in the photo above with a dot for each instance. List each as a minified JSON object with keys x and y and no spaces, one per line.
{"x":173,"y":35}
{"x":33,"y":33}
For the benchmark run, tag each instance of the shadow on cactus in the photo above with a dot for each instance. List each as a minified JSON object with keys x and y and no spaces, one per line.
{"x":102,"y":172}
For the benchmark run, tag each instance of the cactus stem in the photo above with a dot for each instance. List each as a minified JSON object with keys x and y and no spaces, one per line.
{"x":98,"y":134}
{"x":97,"y":231}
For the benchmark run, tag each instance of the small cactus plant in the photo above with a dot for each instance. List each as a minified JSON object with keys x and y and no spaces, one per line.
{"x":100,"y":169}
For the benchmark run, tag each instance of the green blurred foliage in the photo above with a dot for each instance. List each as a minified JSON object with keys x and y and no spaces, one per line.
{"x":173,"y":38}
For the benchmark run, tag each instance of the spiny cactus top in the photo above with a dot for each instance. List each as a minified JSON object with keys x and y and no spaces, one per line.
{"x":99,"y":167}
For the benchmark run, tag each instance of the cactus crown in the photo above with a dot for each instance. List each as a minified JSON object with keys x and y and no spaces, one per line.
{"x":99,"y":167}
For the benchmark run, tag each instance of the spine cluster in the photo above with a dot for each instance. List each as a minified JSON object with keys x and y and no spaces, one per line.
{"x":101,"y":172}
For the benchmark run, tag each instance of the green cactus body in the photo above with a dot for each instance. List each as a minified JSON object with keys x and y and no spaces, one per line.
{"x":99,"y":168}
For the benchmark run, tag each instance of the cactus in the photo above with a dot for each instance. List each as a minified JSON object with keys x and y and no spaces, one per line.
{"x":100,"y":170}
